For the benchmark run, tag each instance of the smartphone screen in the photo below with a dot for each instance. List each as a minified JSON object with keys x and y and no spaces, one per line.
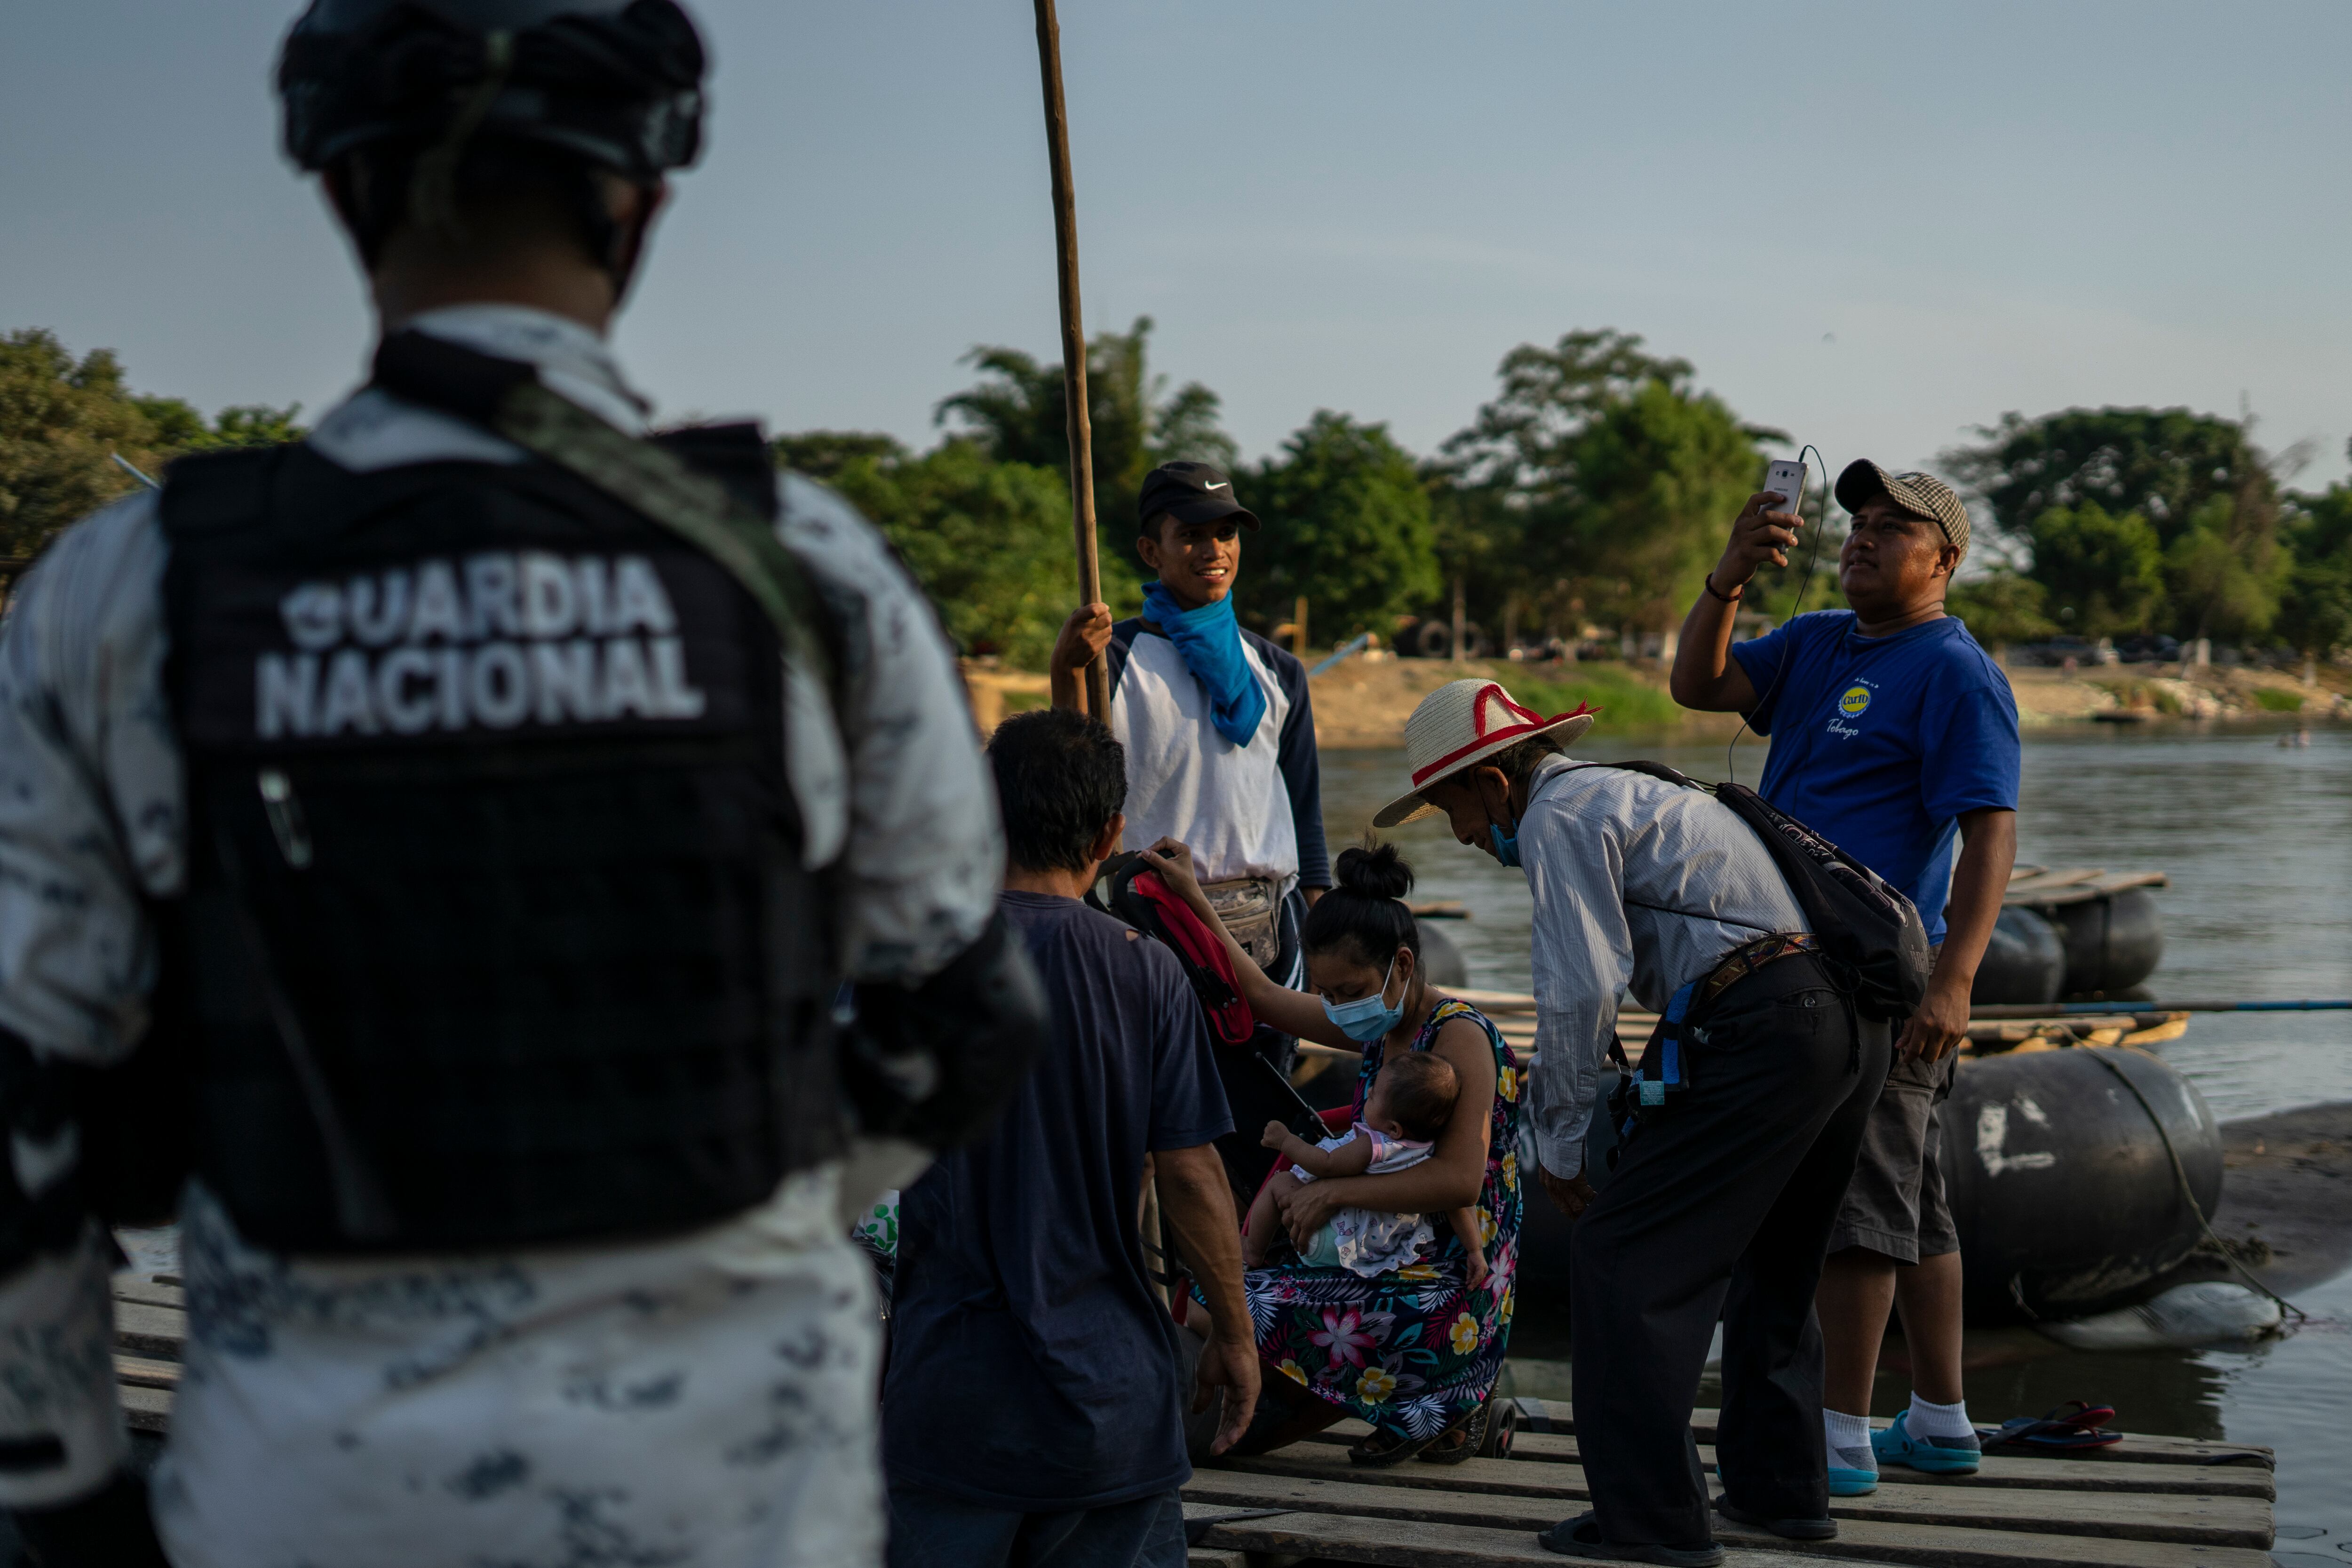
{"x":1788,"y":479}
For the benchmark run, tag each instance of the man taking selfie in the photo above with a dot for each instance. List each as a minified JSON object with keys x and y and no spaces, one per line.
{"x":1896,"y":735}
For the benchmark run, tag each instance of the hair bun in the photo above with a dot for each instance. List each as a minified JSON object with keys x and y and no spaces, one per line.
{"x":1374,"y":870}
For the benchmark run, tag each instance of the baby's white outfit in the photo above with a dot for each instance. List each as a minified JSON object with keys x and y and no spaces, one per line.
{"x":1366,"y":1241}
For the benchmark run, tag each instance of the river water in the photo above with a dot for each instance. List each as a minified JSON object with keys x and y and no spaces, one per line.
{"x":2257,"y":840}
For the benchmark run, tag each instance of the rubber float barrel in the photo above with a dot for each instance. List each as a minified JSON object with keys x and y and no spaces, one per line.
{"x":2025,"y":962}
{"x":2061,"y":1189}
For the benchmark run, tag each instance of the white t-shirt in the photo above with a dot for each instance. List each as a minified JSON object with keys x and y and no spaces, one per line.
{"x":1185,"y":781}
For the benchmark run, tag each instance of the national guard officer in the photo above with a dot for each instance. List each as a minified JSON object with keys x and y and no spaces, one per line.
{"x":431,"y":855}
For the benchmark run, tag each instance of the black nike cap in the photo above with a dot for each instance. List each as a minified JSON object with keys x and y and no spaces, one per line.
{"x":1190,"y":492}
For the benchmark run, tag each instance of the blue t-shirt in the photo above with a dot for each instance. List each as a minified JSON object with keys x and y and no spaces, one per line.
{"x":1031,"y":1366}
{"x":1879,"y":743}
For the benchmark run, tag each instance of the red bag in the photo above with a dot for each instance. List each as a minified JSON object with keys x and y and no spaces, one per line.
{"x":1139,"y":898}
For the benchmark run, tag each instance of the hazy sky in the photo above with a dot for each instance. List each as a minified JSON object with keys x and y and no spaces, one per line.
{"x":1872,"y":224}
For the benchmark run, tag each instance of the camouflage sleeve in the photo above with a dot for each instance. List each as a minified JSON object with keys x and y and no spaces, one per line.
{"x":898,"y":783}
{"x":89,"y":828}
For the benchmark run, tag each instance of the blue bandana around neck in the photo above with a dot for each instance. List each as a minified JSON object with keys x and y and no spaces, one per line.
{"x":1210,"y":641}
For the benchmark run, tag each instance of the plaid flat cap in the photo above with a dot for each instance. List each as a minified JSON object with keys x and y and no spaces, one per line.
{"x":1924,"y":496}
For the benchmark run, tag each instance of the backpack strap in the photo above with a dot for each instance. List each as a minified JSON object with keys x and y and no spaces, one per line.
{"x":1660,"y":771}
{"x":506,"y":396}
{"x":212,"y":492}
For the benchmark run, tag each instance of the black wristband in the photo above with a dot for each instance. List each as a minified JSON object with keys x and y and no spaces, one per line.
{"x":109,"y":1529}
{"x":1718,"y":593}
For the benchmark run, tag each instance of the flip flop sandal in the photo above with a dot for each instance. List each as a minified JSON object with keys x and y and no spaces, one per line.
{"x":1460,"y":1441}
{"x":2070,"y":1426}
{"x":1581,"y":1537}
{"x":1384,"y":1449}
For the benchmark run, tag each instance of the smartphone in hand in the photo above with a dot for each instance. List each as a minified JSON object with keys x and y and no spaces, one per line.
{"x":1789,"y":480}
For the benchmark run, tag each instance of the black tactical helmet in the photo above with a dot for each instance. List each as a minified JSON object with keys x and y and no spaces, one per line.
{"x":615,"y":82}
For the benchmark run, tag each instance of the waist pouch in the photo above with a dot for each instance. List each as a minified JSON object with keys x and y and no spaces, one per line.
{"x":1251,"y":909}
{"x":1651,"y":1088}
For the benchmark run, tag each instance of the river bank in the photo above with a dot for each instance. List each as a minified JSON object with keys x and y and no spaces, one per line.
{"x":1363,"y":702}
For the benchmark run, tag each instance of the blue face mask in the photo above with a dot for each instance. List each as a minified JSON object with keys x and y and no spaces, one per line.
{"x":1367,"y":1018}
{"x":1506,"y":845}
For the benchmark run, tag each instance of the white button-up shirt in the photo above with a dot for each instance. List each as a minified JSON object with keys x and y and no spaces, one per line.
{"x":1639,"y":885}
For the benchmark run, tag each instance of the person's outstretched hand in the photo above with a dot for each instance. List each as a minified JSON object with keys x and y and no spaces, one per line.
{"x":1232,"y":1365}
{"x":1761,"y":536}
{"x":1173,"y":861}
{"x":1573,"y":1195}
{"x":1083,"y":637}
{"x":1274,"y":1137}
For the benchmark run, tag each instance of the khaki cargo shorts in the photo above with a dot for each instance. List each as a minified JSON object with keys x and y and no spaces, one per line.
{"x":1895,"y":1204}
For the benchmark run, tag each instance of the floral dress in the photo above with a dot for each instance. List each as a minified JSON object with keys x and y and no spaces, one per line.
{"x":1408,"y":1351}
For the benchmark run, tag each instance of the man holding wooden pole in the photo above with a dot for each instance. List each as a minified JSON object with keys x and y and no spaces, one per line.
{"x":1219,"y":732}
{"x":1074,"y":345}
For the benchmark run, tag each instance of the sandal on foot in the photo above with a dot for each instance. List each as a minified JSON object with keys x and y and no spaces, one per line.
{"x":1460,"y":1441}
{"x":1581,"y":1537}
{"x":1898,"y":1445}
{"x":1823,"y":1529}
{"x":1384,"y":1449}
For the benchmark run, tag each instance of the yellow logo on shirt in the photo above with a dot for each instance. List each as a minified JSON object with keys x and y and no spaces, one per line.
{"x":1855,"y":699}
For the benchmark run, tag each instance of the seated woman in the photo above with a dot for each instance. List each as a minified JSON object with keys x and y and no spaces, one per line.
{"x":1415,"y":1350}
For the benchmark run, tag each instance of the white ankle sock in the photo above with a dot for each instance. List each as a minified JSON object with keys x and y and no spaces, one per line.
{"x":1939,"y":1420}
{"x":1845,"y":1431}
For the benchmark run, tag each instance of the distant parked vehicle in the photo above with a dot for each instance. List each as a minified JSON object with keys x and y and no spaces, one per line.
{"x":2057,"y":651}
{"x":2157,"y":649}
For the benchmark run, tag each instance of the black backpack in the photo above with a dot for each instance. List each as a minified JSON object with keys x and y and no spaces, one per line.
{"x":1870,"y":932}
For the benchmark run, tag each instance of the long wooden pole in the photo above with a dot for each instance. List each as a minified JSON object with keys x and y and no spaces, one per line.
{"x":1073,"y":343}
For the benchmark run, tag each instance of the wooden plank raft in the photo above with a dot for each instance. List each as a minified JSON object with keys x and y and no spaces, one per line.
{"x":2149,"y":1502}
{"x":2036,"y":887}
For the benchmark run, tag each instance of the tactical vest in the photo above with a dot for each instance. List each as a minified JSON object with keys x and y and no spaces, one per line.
{"x":496,"y":929}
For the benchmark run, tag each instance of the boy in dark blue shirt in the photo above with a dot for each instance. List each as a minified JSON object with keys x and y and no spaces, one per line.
{"x":1033,"y":1411}
{"x":1893,"y":734}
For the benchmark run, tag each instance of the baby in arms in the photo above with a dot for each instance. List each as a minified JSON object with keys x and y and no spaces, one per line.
{"x":1410,"y":1102}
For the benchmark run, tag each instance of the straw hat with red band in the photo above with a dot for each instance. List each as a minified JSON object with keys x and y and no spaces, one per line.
{"x":1460,"y":724}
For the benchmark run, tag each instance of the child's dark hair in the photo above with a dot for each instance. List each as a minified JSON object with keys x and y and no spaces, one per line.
{"x":1365,"y":913}
{"x":1060,"y":778}
{"x":1421,"y":1091}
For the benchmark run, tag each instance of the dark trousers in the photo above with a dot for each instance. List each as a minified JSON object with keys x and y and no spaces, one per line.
{"x":932,"y":1530}
{"x":1722,"y":1206}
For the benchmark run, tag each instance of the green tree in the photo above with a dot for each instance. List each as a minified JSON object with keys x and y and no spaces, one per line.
{"x":2315,"y":610}
{"x":824,"y":454}
{"x":2101,"y":575}
{"x":1348,"y":525}
{"x":1019,"y":414}
{"x":988,"y":541}
{"x":2002,"y":607}
{"x":63,"y":421}
{"x":2209,"y":493}
{"x":1598,"y":478}
{"x":2224,"y":572}
{"x":2162,"y":463}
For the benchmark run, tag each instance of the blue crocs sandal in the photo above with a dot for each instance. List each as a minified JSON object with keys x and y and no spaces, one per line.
{"x":1934,"y":1455}
{"x":1854,"y":1472}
